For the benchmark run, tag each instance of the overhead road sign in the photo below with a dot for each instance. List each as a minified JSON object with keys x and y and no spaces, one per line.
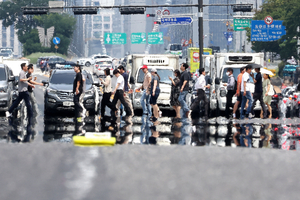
{"x":241,"y":24}
{"x":176,"y":20}
{"x":138,"y":38}
{"x":262,"y":32}
{"x":156,"y":38}
{"x":85,"y":11}
{"x":115,"y":38}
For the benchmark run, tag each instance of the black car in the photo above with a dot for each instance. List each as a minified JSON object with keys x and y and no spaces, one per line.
{"x":54,"y":60}
{"x":59,"y":92}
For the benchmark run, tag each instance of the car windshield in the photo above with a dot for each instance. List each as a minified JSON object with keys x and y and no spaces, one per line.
{"x":163,"y":74}
{"x":2,"y":74}
{"x":68,"y":78}
{"x":99,"y":57}
{"x":236,"y":72}
{"x":176,"y":47}
{"x":6,"y":51}
{"x":104,"y":63}
{"x":4,"y":54}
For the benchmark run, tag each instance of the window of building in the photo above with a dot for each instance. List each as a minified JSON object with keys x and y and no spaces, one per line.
{"x":97,"y":26}
{"x":107,"y":18}
{"x":97,"y":34}
{"x":106,"y":26}
{"x":97,"y":18}
{"x":96,"y":3}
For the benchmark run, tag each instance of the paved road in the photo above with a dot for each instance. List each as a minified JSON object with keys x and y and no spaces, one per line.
{"x":62,"y":171}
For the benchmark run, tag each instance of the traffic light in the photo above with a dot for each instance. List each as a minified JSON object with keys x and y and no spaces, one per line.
{"x":35,"y":11}
{"x":243,"y":48}
{"x":242,"y":8}
{"x":150,"y":15}
{"x":157,"y":22}
{"x":132,"y":10}
{"x":83,"y":11}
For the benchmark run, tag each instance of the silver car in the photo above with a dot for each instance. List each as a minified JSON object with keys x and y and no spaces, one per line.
{"x":100,"y":66}
{"x":6,"y":87}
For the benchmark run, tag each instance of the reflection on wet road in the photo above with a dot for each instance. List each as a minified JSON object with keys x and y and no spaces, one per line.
{"x":220,"y":132}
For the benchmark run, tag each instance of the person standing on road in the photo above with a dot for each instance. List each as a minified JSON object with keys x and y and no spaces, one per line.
{"x":106,"y":91}
{"x":266,"y":89}
{"x":126,"y":88}
{"x":184,"y":89}
{"x":30,"y":89}
{"x":78,"y":93}
{"x":175,"y":91}
{"x":200,"y":86}
{"x":45,"y":66}
{"x":258,"y":93}
{"x":145,"y":99}
{"x":238,"y":92}
{"x":230,"y":90}
{"x":154,"y":91}
{"x":245,"y":90}
{"x":23,"y":93}
{"x":119,"y":95}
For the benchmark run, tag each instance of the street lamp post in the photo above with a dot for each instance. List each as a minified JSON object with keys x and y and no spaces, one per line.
{"x":200,"y":29}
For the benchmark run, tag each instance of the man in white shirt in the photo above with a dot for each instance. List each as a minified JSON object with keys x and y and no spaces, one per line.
{"x":119,"y":94}
{"x":200,"y":86}
{"x":245,"y":91}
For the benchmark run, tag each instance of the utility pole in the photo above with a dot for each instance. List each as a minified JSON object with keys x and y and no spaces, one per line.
{"x":200,"y":29}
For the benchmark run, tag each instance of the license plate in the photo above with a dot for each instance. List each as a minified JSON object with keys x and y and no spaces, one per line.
{"x":68,"y":103}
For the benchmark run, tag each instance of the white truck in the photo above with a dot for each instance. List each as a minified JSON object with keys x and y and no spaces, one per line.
{"x":223,"y":61}
{"x":14,"y":64}
{"x":165,"y":65}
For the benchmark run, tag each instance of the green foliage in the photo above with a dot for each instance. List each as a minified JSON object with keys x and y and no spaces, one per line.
{"x":288,"y":11}
{"x":11,"y":13}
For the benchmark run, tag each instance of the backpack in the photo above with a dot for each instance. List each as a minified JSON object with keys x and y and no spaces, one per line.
{"x":235,"y":85}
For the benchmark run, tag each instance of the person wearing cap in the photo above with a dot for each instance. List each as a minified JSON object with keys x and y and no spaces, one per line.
{"x":258,"y":93}
{"x":145,"y":99}
{"x":184,"y":88}
{"x":154,"y":92}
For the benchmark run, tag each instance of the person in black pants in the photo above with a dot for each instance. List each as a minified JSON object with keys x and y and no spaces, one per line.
{"x":258,"y":93}
{"x":230,"y":90}
{"x":119,"y":95}
{"x":78,"y":93}
{"x":23,"y":93}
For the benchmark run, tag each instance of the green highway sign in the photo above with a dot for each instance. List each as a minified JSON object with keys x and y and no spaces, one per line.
{"x":115,"y":38}
{"x":241,"y":24}
{"x":138,"y":38}
{"x":156,"y":38}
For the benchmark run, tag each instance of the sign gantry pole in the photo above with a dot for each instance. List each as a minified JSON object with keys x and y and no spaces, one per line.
{"x":200,"y":29}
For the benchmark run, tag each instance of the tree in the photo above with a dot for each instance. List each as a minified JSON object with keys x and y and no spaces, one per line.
{"x":286,"y":10}
{"x":11,"y":14}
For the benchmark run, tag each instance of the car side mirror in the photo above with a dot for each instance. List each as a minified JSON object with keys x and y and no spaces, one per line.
{"x":96,"y":83}
{"x":131,"y":80}
{"x":45,"y":82}
{"x":11,"y":78}
{"x":217,"y":81}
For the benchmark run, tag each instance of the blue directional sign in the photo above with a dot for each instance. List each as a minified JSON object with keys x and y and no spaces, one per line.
{"x":176,"y":20}
{"x":262,"y":32}
{"x":56,"y":40}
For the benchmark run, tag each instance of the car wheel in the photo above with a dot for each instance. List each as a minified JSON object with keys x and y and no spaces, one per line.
{"x":87,"y":64}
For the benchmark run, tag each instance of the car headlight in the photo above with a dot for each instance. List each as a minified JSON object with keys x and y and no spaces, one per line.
{"x":51,"y":100}
{"x":3,"y":89}
{"x":51,"y":91}
{"x":90,"y":101}
{"x":89,"y":92}
{"x":222,"y":92}
{"x":138,"y":95}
